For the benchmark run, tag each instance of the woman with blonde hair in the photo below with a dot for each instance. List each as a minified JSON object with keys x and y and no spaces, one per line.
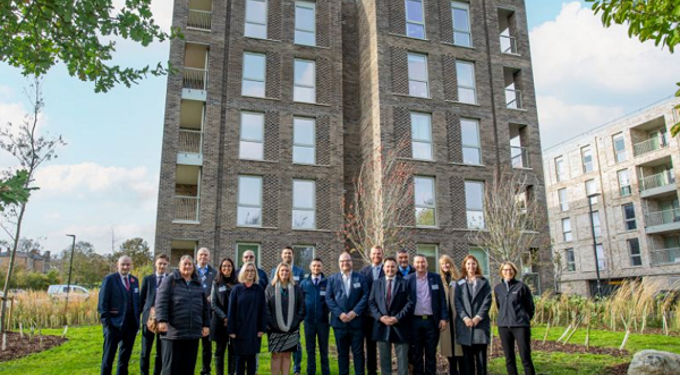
{"x":447,"y":339}
{"x":285,"y":310}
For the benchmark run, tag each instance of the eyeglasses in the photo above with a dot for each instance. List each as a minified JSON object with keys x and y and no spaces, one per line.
{"x":508,"y":270}
{"x":249,"y":257}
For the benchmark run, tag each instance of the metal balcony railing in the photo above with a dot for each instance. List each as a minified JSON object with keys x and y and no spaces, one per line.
{"x":186,"y":208}
{"x":654,"y":218}
{"x":651,"y":144}
{"x":519,"y":157}
{"x":199,"y":19}
{"x":513,"y":99}
{"x":657,"y":180}
{"x":508,"y":44}
{"x":665,"y":256}
{"x":195,"y":78}
{"x":190,"y":141}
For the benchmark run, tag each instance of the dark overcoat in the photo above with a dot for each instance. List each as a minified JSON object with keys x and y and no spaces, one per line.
{"x":219,"y":301}
{"x":470,"y":305}
{"x":246,"y":317}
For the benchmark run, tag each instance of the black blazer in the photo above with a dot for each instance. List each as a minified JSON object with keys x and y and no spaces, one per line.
{"x":401,"y":307}
{"x":338,"y":302}
{"x":470,"y":305}
{"x":437,"y":295}
{"x":114,"y":300}
{"x":148,"y":295}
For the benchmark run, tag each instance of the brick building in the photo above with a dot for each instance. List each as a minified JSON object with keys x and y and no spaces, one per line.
{"x":279,"y":101}
{"x":627,"y":171}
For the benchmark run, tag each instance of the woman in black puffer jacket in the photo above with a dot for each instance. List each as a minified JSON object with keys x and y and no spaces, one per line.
{"x":183,"y":315}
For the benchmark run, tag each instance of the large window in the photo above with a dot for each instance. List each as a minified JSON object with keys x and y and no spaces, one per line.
{"x":305,"y":81}
{"x":467,"y":87}
{"x":624,"y":182}
{"x":472,"y":148}
{"x":474,"y":204}
{"x":591,"y":190}
{"x":483,"y":259}
{"x":634,"y":251}
{"x":425,"y":201}
{"x":571,"y":259}
{"x":249,"y":201}
{"x":256,"y":19}
{"x":619,"y":147}
{"x":254,"y":74}
{"x":601,"y":260}
{"x":305,"y":23}
{"x":566,"y":229}
{"x":304,"y":202}
{"x":629,"y":216}
{"x":560,"y":169}
{"x":421,"y":135}
{"x":304,"y":140}
{"x":303,"y":255}
{"x":587,"y":159}
{"x":460,"y":14}
{"x":431,"y":252}
{"x":242,"y":248}
{"x":415,"y":19}
{"x":252,"y":136}
{"x":563,"y":198}
{"x":597,"y":228}
{"x":418,"y":83}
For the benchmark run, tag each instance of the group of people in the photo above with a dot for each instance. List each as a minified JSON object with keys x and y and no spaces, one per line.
{"x":389,"y":304}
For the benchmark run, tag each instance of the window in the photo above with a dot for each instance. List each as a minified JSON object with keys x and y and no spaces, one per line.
{"x":242,"y":248}
{"x":619,"y":148}
{"x":303,"y":255}
{"x":629,"y":216}
{"x":417,"y":76}
{"x":624,"y":182}
{"x":252,"y":136}
{"x":254,"y":75}
{"x":483,"y":259}
{"x":563,"y":199}
{"x":421,"y":135}
{"x":465,"y":74}
{"x":634,"y":251}
{"x":587,"y":158}
{"x":560,"y":170}
{"x":431,"y":253}
{"x":460,"y":14}
{"x":590,"y":190}
{"x":249,"y":211}
{"x":472,"y":151}
{"x":305,"y":25}
{"x":415,"y":19}
{"x":474,"y":203}
{"x":305,"y":81}
{"x":596,"y":223}
{"x":601,"y":261}
{"x":571,"y":260}
{"x":256,"y":19}
{"x":304,"y":140}
{"x":425,"y":201}
{"x":566,"y":229}
{"x":304,"y":202}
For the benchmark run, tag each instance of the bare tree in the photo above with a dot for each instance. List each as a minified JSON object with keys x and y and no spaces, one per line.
{"x":382,"y":198}
{"x":30,"y":150}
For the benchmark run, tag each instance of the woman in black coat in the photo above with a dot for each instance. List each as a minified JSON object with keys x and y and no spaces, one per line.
{"x":473,"y":329}
{"x":247,"y":319}
{"x":183,"y":315}
{"x":516,"y":308}
{"x":219,"y":297}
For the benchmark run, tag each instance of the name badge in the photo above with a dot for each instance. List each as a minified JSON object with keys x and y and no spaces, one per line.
{"x":203,"y":278}
{"x":435,"y":287}
{"x":357,"y":285}
{"x":322,"y":293}
{"x":204,"y":286}
{"x":452,"y":284}
{"x":136,"y":290}
{"x":296,"y":278}
{"x":222,"y":289}
{"x":461,"y":282}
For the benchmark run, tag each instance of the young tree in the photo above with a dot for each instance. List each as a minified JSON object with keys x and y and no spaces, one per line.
{"x":30,"y":150}
{"x":37,"y":34}
{"x":89,"y":267}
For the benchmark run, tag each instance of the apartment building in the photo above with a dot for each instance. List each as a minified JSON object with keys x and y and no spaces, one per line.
{"x":613,"y":202}
{"x":279,"y":102}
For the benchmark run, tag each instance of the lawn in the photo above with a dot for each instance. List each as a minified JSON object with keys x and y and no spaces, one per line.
{"x":81,"y":355}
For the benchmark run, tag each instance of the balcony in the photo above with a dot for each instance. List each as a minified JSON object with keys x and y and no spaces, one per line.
{"x":662,"y":221}
{"x":190,"y":148}
{"x":186,"y":209}
{"x":656,"y":184}
{"x":513,"y":99}
{"x":509,"y":45}
{"x":665,"y":256}
{"x":519,"y":157}
{"x":195,"y":72}
{"x":651,"y":144}
{"x":199,"y":19}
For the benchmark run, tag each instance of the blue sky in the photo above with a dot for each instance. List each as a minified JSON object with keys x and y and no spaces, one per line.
{"x":105,"y":180}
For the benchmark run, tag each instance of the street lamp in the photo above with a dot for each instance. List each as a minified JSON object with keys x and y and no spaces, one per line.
{"x":592,"y":231}
{"x":70,"y":268}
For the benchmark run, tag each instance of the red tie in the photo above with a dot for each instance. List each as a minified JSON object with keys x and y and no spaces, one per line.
{"x":389,"y":292}
{"x":127,"y":283}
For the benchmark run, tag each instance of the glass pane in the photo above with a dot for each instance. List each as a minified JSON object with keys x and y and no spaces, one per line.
{"x":250,"y":190}
{"x":475,"y":219}
{"x":303,"y":131}
{"x":425,"y":217}
{"x":465,"y":74}
{"x":424,"y":191}
{"x":303,"y":219}
{"x":304,"y":17}
{"x":467,"y":95}
{"x":462,"y":39}
{"x":414,"y":11}
{"x":482,"y":258}
{"x":303,"y":194}
{"x":254,"y":67}
{"x":417,"y":67}
{"x":422,"y":150}
{"x":471,"y":156}
{"x":421,"y":128}
{"x":251,"y":150}
{"x":469,"y":132}
{"x":566,"y":225}
{"x":304,"y":73}
{"x":416,"y":88}
{"x":249,"y":216}
{"x":303,"y":257}
{"x":460,"y":19}
{"x":256,"y":11}
{"x":242,"y":248}
{"x":601,"y":261}
{"x":303,"y":155}
{"x":474,"y":193}
{"x":415,"y":30}
{"x":252,"y":125}
{"x":305,"y":38}
{"x":304,"y":94}
{"x":255,"y":31}
{"x":253,"y":88}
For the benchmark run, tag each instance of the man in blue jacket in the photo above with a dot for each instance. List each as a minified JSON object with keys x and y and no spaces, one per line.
{"x":346,"y":297}
{"x":119,"y":309}
{"x":316,"y":317}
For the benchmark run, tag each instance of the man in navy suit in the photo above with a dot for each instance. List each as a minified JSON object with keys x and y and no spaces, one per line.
{"x":372,"y":272}
{"x":405,"y":268}
{"x":148,"y":296}
{"x":119,"y":309}
{"x":206,"y":274}
{"x":346,"y":297}
{"x":390,"y":304}
{"x":430,"y":315}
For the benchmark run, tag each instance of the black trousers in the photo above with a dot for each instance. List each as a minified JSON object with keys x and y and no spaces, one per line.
{"x":148,"y":338}
{"x":179,"y":356}
{"x":475,"y":359}
{"x":346,"y":339}
{"x":521,"y":335}
{"x":243,"y":361}
{"x":457,"y":366}
{"x":220,"y":349}
{"x":121,"y":340}
{"x":426,"y":337}
{"x":206,"y":349}
{"x":371,"y":347}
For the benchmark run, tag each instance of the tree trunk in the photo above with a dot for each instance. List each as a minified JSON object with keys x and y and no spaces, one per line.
{"x":10,"y":268}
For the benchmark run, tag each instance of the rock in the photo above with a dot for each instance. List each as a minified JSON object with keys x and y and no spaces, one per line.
{"x":653,"y":362}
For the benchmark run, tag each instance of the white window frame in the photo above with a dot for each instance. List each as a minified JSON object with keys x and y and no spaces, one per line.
{"x":477,"y":147}
{"x":619,"y":155}
{"x":597,"y":224}
{"x":246,"y":21}
{"x":563,"y":200}
{"x":627,"y":220}
{"x":432,"y":206}
{"x":246,"y":140}
{"x":466,"y":7}
{"x":560,"y":170}
{"x":311,"y":209}
{"x":461,"y":87}
{"x":246,"y":205}
{"x":624,"y":190}
{"x":571,"y":263}
{"x":302,"y":85}
{"x":591,"y":183}
{"x":427,"y":142}
{"x":601,"y":256}
{"x":239,"y":258}
{"x":630,"y":252}
{"x":417,"y":23}
{"x":468,"y":210}
{"x":245,"y":79}
{"x":298,"y":145}
{"x":307,"y":5}
{"x":587,"y":150}
{"x":567,"y":235}
{"x":427,"y":74}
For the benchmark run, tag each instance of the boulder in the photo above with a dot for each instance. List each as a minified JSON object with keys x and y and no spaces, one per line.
{"x":654,"y":362}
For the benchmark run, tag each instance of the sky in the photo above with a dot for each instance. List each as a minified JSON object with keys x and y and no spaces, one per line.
{"x":103,"y":185}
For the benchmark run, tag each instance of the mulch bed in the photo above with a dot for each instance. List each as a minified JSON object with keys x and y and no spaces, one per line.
{"x":18,"y":347}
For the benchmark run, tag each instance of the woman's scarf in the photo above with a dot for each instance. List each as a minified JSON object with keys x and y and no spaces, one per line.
{"x":285,"y":327}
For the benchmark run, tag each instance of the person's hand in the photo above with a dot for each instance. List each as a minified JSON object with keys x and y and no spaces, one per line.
{"x":476,"y":320}
{"x":468,"y":322}
{"x":351,"y":315}
{"x":162,"y":327}
{"x":442,"y":325}
{"x":394,"y":320}
{"x":386,"y":320}
{"x":233,"y":336}
{"x":260,"y":334}
{"x":343,"y":317}
{"x":206,"y":331}
{"x":225,"y":322}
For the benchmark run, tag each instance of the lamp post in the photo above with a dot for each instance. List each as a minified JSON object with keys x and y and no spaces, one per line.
{"x":592,"y":231}
{"x":70,"y":268}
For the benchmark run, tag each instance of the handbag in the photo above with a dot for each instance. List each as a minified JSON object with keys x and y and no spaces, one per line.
{"x":152,"y":322}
